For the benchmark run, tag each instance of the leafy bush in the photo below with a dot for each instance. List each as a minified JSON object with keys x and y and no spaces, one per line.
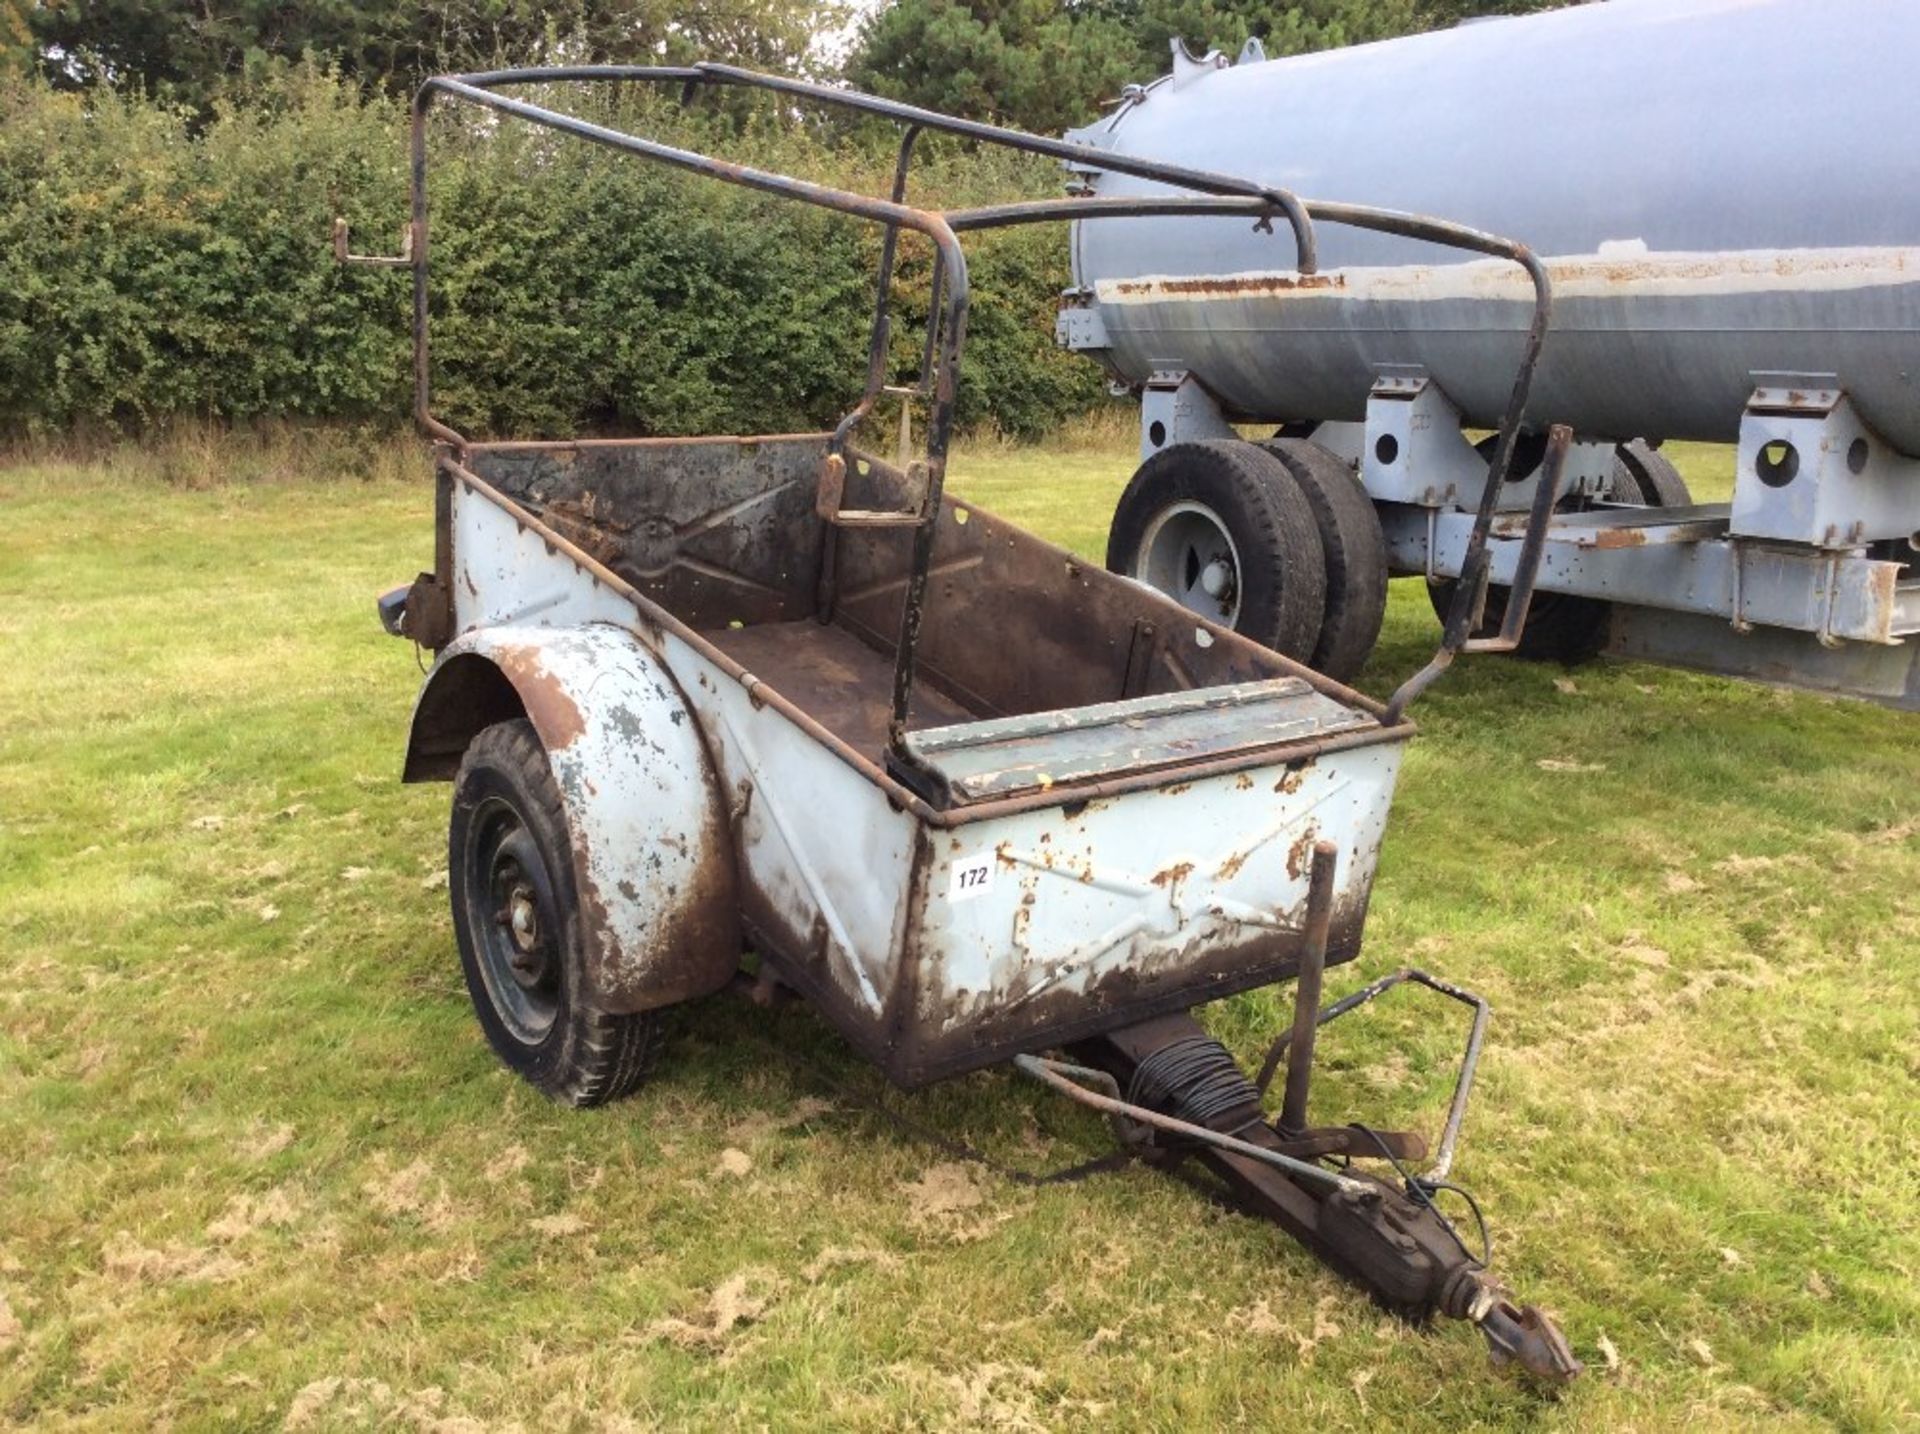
{"x":152,"y":268}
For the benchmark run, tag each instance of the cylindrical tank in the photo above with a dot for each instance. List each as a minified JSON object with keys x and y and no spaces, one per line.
{"x":1725,"y":187}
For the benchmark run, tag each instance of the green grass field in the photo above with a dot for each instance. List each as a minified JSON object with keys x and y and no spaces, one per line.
{"x":257,"y":1167}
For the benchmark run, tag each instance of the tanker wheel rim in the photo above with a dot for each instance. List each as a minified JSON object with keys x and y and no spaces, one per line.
{"x":514,"y":915}
{"x":1187,"y":552}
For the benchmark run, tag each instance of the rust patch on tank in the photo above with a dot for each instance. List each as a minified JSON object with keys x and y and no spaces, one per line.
{"x":1229,"y":286}
{"x":1174,"y":874}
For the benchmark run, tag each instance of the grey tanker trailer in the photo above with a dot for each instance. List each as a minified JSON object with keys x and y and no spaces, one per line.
{"x":1726,"y":194}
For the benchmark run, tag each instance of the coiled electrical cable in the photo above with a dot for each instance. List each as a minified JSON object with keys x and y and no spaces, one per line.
{"x":1196,"y":1079}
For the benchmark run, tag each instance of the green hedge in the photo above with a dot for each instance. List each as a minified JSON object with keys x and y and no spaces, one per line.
{"x":149,"y":269}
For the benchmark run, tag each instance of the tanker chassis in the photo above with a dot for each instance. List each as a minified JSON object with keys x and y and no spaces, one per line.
{"x":1731,"y":194}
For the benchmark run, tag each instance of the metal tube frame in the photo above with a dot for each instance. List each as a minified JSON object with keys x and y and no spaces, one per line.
{"x":1469,"y":1060}
{"x":1464,"y":612}
{"x":1217,"y":195}
{"x":1072,"y":1081}
{"x":1306,"y":989}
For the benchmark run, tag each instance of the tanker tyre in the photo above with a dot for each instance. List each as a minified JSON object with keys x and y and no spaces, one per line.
{"x":516,"y":920}
{"x":1222,"y":528}
{"x":1642,"y":474}
{"x":1562,"y":627}
{"x":1354,"y":549}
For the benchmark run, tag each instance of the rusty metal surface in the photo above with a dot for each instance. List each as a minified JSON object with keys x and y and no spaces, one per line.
{"x":1113,"y":899}
{"x":1084,"y":915}
{"x":561,"y":582}
{"x":652,"y":856}
{"x":717,"y":532}
{"x":1017,"y":754}
{"x":1611,"y":527}
{"x":1015,"y":625}
{"x":845,"y":684}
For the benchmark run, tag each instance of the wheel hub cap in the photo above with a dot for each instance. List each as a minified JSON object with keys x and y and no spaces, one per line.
{"x":1188,"y":554}
{"x":521,"y":917}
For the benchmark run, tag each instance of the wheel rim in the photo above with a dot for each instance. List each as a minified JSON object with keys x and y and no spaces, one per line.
{"x":1188,"y":554}
{"x":514,"y":921}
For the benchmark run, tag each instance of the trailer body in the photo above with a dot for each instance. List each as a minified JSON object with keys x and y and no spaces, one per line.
{"x":716,"y":705}
{"x":1135,"y":793}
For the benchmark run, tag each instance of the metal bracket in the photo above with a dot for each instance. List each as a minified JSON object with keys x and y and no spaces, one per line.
{"x":830,"y":494}
{"x":1811,"y":470}
{"x":341,"y":254}
{"x":1176,"y":409}
{"x":1416,"y":450}
{"x":1078,"y":326}
{"x":1187,"y":67}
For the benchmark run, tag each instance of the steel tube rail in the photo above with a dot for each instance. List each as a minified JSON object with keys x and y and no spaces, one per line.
{"x":1060,"y":1075}
{"x":947,"y":326}
{"x":952,"y":299}
{"x":1306,"y":990}
{"x":1308,"y":256}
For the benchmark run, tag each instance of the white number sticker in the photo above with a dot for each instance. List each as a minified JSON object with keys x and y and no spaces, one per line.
{"x":972,"y":877}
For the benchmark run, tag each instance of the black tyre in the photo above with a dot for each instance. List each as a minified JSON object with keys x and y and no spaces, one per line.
{"x":1642,"y":475}
{"x":1222,"y":528}
{"x":516,"y":916}
{"x":1354,"y":550}
{"x":1561,"y":627}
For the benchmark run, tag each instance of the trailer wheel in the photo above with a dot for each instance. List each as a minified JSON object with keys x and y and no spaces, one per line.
{"x":1562,"y":627}
{"x":1223,"y":529}
{"x":1354,"y":549}
{"x":516,"y":918}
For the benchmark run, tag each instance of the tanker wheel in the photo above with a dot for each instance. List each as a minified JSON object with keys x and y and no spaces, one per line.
{"x":1354,"y":549}
{"x":1560,"y":626}
{"x":1223,"y":528}
{"x":516,"y":918}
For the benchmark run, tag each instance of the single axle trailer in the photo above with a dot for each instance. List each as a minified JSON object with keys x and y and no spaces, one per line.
{"x":975,"y":800}
{"x":1727,"y":196}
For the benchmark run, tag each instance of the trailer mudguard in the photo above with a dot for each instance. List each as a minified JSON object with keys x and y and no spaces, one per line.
{"x":653,"y":858}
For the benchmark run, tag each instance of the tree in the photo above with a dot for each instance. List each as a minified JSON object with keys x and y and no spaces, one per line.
{"x":191,"y":52}
{"x":16,"y":36}
{"x":1047,"y":65}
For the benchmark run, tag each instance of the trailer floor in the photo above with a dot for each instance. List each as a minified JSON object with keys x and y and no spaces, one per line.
{"x":834,"y":677}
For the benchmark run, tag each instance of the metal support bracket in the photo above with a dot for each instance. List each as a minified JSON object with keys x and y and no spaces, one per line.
{"x":1079,"y":327}
{"x":1812,"y":471}
{"x":1416,"y":449}
{"x":1176,"y":409}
